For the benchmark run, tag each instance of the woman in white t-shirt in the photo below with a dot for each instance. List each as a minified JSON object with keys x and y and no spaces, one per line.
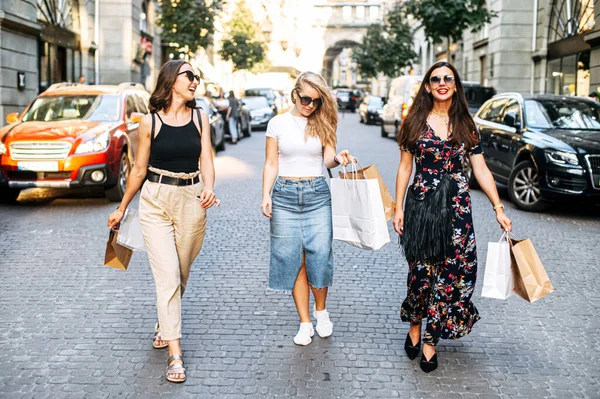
{"x":299,"y":142}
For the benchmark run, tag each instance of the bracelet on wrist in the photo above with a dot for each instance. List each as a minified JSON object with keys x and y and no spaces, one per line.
{"x":498,"y":206}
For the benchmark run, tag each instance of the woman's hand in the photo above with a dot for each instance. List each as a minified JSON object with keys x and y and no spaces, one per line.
{"x":398,"y":221}
{"x":344,"y":158}
{"x":115,"y":218}
{"x":266,"y":206}
{"x":208,"y":199}
{"x":504,"y":221}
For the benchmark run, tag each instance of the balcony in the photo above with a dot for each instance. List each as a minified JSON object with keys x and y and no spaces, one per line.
{"x":348,"y":14}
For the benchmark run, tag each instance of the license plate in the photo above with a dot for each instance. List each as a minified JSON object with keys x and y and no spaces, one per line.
{"x":39,"y":166}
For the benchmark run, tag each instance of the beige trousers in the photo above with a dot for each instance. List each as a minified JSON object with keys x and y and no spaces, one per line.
{"x":173,"y":225}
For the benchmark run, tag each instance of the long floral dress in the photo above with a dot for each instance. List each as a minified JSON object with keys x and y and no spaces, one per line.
{"x":441,"y":292}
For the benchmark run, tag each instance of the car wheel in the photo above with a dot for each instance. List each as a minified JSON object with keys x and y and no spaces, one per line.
{"x":383,"y":132}
{"x":9,"y":195}
{"x":221,"y":145}
{"x":524,"y":188}
{"x":467,"y":170}
{"x":116,"y":192}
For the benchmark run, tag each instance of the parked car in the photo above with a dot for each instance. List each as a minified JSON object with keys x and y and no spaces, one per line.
{"x":272,"y":96}
{"x":401,"y":95}
{"x":477,"y":94}
{"x":217,"y":124}
{"x":544,"y":147}
{"x":260,"y":111}
{"x":73,"y":135}
{"x":346,"y":99}
{"x":244,"y":121}
{"x":371,"y":110}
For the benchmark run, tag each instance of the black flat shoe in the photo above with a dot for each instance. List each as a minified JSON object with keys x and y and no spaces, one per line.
{"x":412,"y":350}
{"x":429,"y":365}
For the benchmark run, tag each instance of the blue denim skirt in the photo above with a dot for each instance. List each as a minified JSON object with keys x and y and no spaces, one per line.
{"x":301,"y":222}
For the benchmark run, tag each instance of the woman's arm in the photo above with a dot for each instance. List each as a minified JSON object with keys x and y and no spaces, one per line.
{"x":488,"y":185}
{"x":269,"y":175}
{"x":138,"y":172}
{"x":207,"y":166}
{"x":331,"y":160}
{"x":404,"y":171}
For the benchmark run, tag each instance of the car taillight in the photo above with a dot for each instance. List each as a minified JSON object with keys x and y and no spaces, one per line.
{"x":353,"y":98}
{"x":404,"y":110}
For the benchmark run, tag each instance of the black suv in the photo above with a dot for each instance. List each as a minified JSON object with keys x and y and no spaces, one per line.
{"x":544,"y":147}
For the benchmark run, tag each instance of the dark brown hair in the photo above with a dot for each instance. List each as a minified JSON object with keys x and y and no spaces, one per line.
{"x":461,"y":123}
{"x":161,"y":97}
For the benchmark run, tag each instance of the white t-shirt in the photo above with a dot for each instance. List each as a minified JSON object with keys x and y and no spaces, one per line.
{"x":299,"y":155}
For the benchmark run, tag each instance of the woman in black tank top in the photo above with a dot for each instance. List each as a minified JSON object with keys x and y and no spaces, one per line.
{"x":174,"y":164}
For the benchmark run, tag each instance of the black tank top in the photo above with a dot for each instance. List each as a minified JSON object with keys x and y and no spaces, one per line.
{"x":176,"y":148}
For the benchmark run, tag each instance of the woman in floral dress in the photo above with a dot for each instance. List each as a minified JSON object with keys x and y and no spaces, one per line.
{"x":435,"y":224}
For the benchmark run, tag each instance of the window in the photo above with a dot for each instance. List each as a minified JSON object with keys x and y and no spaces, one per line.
{"x":131,"y":106}
{"x":514,"y":108}
{"x":346,"y":12}
{"x":141,"y":103}
{"x":360,"y":12}
{"x":87,"y":107}
{"x":144,"y":17}
{"x":373,"y":12}
{"x":492,"y":112}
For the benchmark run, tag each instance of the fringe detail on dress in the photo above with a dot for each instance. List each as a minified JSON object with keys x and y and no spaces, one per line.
{"x":173,"y":174}
{"x":427,"y":234}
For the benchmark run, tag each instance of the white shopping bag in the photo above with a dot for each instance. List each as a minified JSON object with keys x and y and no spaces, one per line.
{"x":498,"y":279}
{"x":130,"y":232}
{"x":358,"y":214}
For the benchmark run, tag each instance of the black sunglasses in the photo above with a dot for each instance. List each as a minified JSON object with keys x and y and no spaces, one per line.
{"x":190,"y":75}
{"x":306,"y":101}
{"x":436,"y":80}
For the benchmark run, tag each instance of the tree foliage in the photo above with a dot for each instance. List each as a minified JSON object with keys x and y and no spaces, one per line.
{"x":386,"y":48}
{"x":448,"y":19}
{"x":242,"y":44}
{"x":186,"y":24}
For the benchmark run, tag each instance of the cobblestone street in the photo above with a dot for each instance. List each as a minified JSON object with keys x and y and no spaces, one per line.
{"x":70,"y":327}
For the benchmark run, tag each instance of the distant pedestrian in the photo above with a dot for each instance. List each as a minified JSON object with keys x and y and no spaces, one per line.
{"x":82,"y":80}
{"x":594,"y":95}
{"x":174,"y":140}
{"x":435,"y":224}
{"x":232,"y":116}
{"x":298,"y":143}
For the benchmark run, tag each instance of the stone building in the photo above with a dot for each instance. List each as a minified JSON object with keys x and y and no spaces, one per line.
{"x":43,"y":42}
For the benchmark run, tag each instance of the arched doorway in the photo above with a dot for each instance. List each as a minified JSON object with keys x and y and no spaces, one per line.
{"x":339,"y":69}
{"x":568,"y":71}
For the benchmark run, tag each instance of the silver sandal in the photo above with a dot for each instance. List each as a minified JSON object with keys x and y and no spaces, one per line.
{"x":157,"y":338}
{"x":175,"y":368}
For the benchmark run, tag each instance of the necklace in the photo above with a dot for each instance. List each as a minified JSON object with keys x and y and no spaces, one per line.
{"x":443,"y":117}
{"x":297,"y":124}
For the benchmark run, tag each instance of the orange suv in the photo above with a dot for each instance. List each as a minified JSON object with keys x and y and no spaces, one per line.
{"x":73,"y":135}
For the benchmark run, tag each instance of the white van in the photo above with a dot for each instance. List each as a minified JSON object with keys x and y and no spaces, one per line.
{"x":400,"y":97}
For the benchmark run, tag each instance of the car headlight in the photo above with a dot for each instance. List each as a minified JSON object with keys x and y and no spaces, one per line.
{"x":94,"y":144}
{"x":2,"y":149}
{"x":561,"y":157}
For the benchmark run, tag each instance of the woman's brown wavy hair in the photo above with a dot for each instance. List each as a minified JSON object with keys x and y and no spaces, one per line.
{"x":461,"y":123}
{"x":162,"y":96}
{"x":322,"y":123}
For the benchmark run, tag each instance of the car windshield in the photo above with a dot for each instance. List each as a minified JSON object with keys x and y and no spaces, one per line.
{"x":344,"y":95}
{"x":256,"y":102}
{"x":97,"y":108}
{"x":261,"y":93}
{"x":375,"y":101}
{"x":564,"y":114}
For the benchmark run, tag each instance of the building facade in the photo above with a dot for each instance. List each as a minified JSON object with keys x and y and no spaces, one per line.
{"x":46,"y":42}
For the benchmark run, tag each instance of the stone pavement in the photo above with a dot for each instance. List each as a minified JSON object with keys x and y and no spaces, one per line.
{"x":70,"y":327}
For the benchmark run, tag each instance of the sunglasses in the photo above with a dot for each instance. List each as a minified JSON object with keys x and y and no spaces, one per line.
{"x":436,"y":80}
{"x":306,"y":101}
{"x":190,"y":75}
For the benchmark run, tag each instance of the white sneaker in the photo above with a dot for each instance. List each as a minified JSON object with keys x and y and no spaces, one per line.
{"x":324,"y":325}
{"x":305,"y":333}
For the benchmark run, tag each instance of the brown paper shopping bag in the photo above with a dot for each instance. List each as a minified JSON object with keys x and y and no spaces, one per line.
{"x":116,"y":255}
{"x":530,"y":279}
{"x":371,"y":172}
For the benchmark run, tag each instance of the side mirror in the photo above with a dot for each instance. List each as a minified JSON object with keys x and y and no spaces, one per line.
{"x":135,"y":117}
{"x":510,"y":120}
{"x":12,"y":117}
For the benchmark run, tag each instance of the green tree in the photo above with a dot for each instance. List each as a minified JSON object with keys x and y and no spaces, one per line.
{"x":448,"y":19}
{"x":243,"y":45}
{"x":386,"y":48}
{"x":186,"y":24}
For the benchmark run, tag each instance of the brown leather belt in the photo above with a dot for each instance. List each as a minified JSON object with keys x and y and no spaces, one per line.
{"x":173,"y":181}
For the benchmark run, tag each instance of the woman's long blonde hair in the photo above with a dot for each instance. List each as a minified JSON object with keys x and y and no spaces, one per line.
{"x":322,"y":123}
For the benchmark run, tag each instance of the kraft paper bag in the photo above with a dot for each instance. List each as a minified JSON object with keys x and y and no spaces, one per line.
{"x":130,"y":232}
{"x":531,"y":281}
{"x":357,"y":210}
{"x":498,"y":277}
{"x":371,"y":172}
{"x":116,"y":255}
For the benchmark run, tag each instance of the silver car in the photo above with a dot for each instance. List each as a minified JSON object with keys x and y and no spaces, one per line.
{"x":217,"y":125}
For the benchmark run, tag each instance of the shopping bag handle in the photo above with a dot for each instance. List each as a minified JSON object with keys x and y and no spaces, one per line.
{"x":331,"y":174}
